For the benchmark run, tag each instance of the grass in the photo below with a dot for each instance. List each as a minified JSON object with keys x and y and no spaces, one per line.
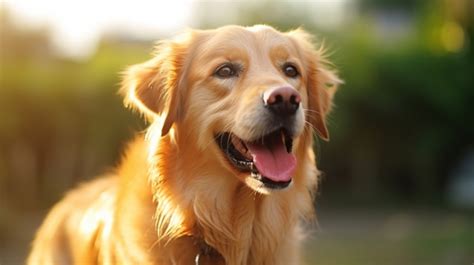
{"x":399,"y":237}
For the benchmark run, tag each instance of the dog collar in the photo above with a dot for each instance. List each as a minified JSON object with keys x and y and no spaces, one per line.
{"x":207,"y":252}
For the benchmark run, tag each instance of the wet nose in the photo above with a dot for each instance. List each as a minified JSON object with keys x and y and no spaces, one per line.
{"x":282,"y":100}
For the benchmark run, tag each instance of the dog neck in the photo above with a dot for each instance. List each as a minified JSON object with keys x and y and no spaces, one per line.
{"x":198,"y":200}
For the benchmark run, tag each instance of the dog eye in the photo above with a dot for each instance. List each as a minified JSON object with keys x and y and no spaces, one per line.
{"x":226,"y":71}
{"x":290,"y":70}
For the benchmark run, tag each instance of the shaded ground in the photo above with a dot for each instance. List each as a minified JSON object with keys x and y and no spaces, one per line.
{"x":408,"y":237}
{"x":342,"y":237}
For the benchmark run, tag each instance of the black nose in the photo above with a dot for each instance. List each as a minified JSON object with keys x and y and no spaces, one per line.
{"x":282,"y":101}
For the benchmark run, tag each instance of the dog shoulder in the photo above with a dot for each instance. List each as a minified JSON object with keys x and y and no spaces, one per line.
{"x":74,"y":224}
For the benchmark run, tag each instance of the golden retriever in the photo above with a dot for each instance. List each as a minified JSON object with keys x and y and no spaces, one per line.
{"x":226,"y":171}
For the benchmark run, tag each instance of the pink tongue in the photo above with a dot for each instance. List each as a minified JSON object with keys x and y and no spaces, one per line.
{"x":273,"y":162}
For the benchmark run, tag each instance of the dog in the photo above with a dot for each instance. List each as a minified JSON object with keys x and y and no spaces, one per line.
{"x":226,"y":171}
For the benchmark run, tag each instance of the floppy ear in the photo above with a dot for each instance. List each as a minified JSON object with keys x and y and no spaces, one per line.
{"x":152,"y":87}
{"x":321,"y":83}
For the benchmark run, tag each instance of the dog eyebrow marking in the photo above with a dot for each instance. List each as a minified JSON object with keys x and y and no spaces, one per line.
{"x":280,"y":52}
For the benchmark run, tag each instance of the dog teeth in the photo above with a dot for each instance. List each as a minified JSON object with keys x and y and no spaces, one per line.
{"x":288,"y":142}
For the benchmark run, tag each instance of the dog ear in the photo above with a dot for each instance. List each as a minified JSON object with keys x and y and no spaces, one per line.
{"x":322,"y":86}
{"x":322,"y":83}
{"x":152,"y":87}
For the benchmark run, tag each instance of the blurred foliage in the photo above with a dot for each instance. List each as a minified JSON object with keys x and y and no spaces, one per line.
{"x":404,"y":118}
{"x":61,"y":121}
{"x":402,"y":121}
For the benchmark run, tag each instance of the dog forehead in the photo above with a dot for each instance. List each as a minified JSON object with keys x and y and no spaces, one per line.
{"x":230,"y":40}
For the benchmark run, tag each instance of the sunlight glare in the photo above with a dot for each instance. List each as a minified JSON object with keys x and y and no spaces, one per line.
{"x":77,"y":26}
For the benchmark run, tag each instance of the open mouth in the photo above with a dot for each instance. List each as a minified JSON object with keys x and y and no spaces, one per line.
{"x":269,"y":159}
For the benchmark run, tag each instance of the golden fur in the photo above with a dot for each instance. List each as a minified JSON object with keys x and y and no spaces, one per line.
{"x":174,"y":192}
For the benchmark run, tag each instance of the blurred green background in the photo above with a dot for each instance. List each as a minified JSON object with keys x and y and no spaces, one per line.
{"x":398,"y":184}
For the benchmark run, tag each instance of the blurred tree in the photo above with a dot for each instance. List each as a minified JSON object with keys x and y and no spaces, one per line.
{"x":403,"y":109}
{"x":60,"y":121}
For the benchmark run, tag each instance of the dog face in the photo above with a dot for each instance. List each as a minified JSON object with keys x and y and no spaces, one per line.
{"x":244,"y":94}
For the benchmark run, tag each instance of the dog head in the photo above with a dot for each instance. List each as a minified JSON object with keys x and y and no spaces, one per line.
{"x":245,"y":94}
